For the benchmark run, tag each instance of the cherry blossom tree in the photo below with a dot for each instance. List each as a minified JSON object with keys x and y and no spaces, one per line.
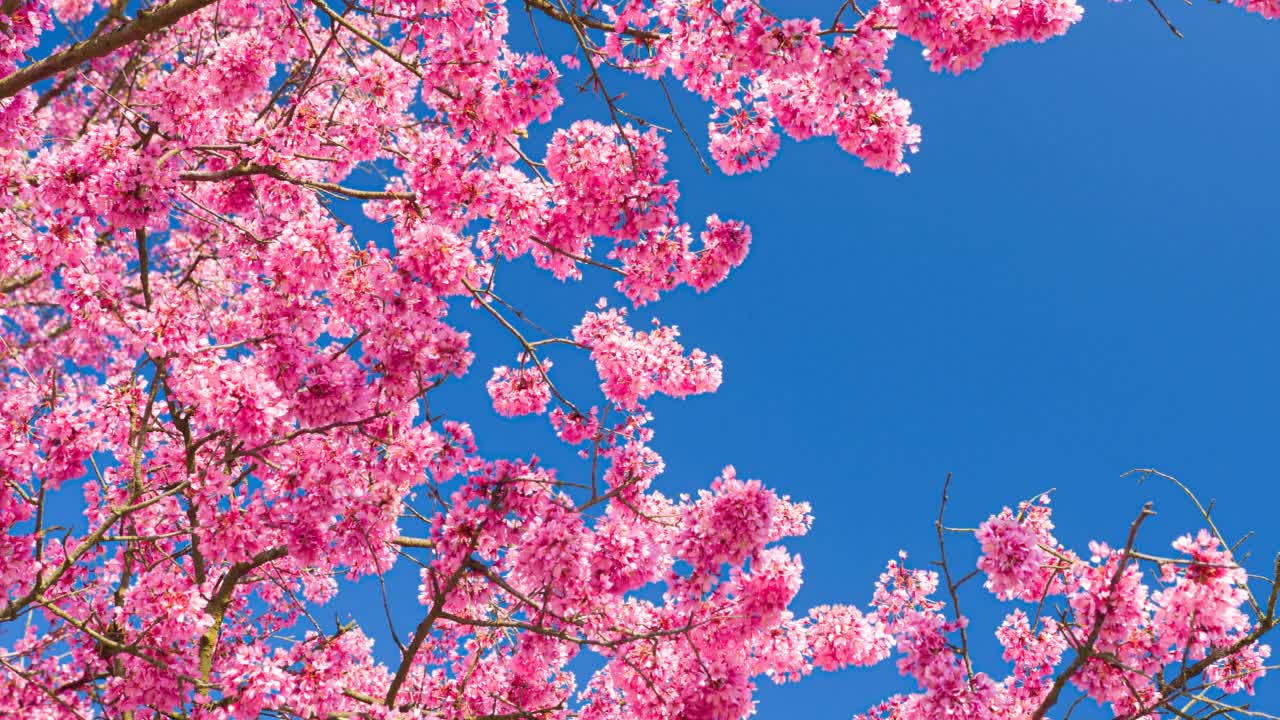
{"x":239,"y":389}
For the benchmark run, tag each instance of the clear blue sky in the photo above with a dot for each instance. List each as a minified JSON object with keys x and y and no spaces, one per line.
{"x":1076,"y":279}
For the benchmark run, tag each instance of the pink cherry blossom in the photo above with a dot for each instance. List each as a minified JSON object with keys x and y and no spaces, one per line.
{"x":520,"y":391}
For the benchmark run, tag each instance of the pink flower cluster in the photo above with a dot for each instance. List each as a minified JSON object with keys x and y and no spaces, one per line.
{"x":635,"y":365}
{"x":520,"y":391}
{"x":957,"y":34}
{"x":1016,"y":551}
{"x":841,"y":635}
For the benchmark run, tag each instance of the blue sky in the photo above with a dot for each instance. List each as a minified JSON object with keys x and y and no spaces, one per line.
{"x":1075,"y":280}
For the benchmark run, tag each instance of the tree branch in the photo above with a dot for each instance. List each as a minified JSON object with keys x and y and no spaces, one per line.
{"x":147,"y":22}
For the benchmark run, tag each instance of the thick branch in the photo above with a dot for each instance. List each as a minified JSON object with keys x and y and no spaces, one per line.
{"x":18,"y":282}
{"x":148,"y":22}
{"x":217,"y":607}
{"x":272,"y":171}
{"x":420,"y":634}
